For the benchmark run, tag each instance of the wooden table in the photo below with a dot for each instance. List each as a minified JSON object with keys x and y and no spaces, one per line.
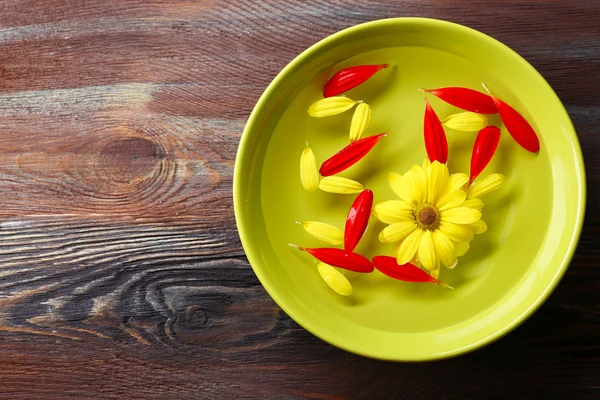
{"x":121,"y":271}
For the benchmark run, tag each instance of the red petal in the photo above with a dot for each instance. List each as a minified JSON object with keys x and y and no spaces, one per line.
{"x":349,"y":155}
{"x":483,"y":150}
{"x":406,"y":272}
{"x":517,"y":126}
{"x":435,"y":137}
{"x":467,"y":99}
{"x":358,"y":219}
{"x":341,"y":259}
{"x":349,"y":78}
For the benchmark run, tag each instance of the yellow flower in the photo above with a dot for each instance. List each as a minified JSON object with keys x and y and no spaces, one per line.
{"x":431,"y":216}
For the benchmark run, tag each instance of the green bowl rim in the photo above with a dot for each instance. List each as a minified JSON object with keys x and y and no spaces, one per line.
{"x":245,"y":233}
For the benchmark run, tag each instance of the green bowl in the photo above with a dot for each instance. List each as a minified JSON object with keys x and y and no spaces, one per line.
{"x":534,"y":219}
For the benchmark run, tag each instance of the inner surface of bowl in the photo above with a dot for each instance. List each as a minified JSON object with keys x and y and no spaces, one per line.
{"x":534,"y":219}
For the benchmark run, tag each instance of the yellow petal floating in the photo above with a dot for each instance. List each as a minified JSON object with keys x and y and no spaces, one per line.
{"x":485,"y":186}
{"x":337,"y":184}
{"x":435,"y":274}
{"x":334,"y":279}
{"x":466,"y":122}
{"x":330,"y":106}
{"x":392,"y":211}
{"x":360,"y":121}
{"x":325,"y":232}
{"x":398,"y":231}
{"x":309,"y":175}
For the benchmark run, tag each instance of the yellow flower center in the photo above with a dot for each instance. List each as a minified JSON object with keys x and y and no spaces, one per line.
{"x":427,"y":216}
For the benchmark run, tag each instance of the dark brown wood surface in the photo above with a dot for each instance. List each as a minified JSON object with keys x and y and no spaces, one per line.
{"x":121,"y":271}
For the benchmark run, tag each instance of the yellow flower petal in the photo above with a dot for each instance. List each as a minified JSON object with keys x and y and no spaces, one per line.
{"x":330,"y":106}
{"x":337,"y":184}
{"x":437,"y":180}
{"x":392,"y":211}
{"x":335,"y":279}
{"x":398,"y":231}
{"x":309,"y":174}
{"x":409,"y":246}
{"x":461,"y":215}
{"x":457,"y":233}
{"x":461,"y":248}
{"x":435,"y":274}
{"x":482,"y":228}
{"x":456,"y":182}
{"x":451,"y":200}
{"x":466,"y":122}
{"x":360,"y":121}
{"x":485,"y":186}
{"x":473,"y":203}
{"x":426,"y":164}
{"x":395,"y":182}
{"x":401,"y":186}
{"x":325,"y":232}
{"x":426,"y":251}
{"x":418,"y":182}
{"x":444,"y":248}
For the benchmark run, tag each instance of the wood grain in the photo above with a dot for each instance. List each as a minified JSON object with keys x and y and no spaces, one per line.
{"x":121,"y":272}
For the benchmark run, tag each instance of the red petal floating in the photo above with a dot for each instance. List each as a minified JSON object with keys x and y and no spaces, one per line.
{"x":435,"y":137}
{"x":517,"y":126}
{"x":483,"y":150}
{"x":358,"y":219}
{"x":340,"y":258}
{"x":349,"y":78}
{"x":467,"y":99}
{"x":406,"y":272}
{"x":349,"y":155}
